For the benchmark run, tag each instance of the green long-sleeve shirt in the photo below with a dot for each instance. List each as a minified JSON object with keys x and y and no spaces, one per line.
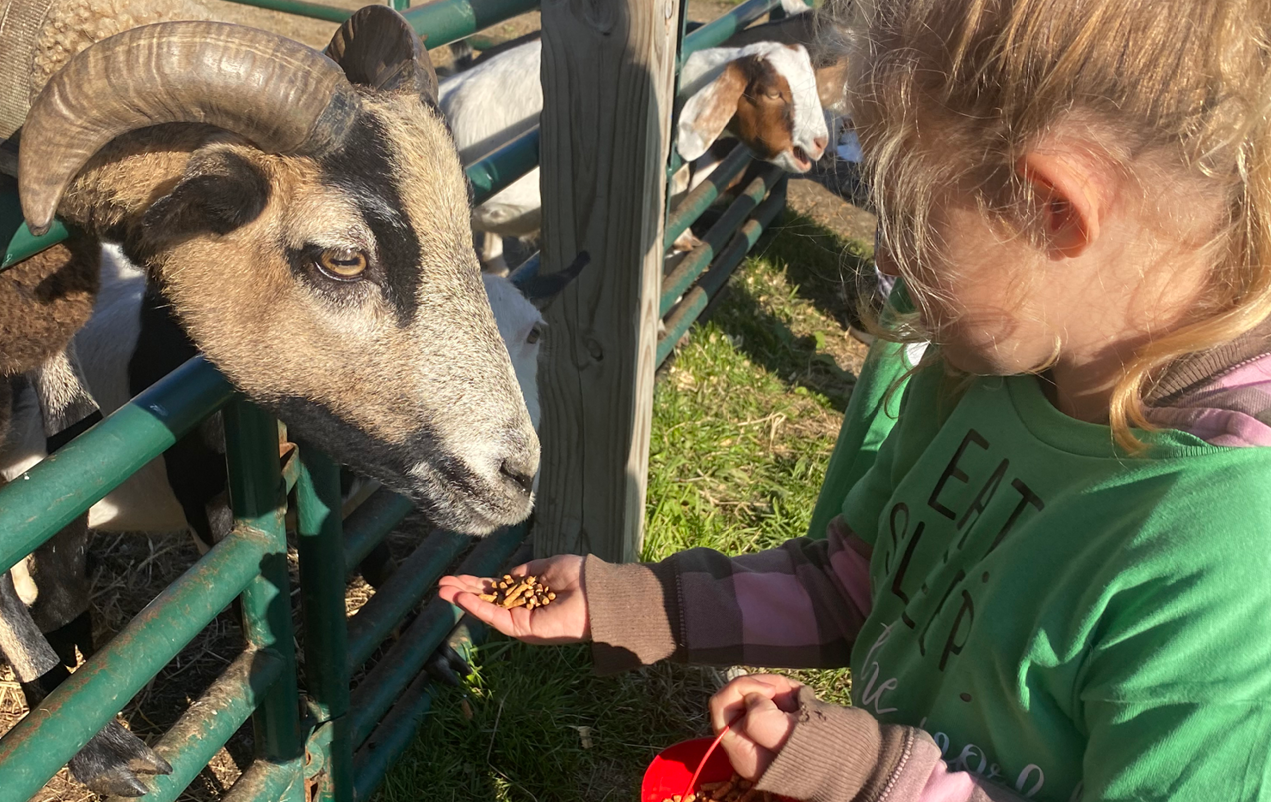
{"x":1061,"y":616}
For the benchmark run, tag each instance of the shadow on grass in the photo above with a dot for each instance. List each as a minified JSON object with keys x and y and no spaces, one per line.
{"x":769,"y":342}
{"x":536,"y":724}
{"x":830,"y":271}
{"x":822,"y":269}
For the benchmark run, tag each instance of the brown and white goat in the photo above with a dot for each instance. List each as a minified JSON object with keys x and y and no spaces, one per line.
{"x":823,"y":37}
{"x":306,"y":216}
{"x":764,"y":95}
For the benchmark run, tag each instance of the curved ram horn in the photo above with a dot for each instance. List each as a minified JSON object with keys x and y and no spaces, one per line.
{"x":376,"y":47}
{"x":541,"y":290}
{"x":282,"y":96}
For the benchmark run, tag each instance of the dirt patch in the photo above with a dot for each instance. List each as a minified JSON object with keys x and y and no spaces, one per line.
{"x":825,"y":198}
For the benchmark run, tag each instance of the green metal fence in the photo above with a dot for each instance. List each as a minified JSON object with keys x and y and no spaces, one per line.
{"x":330,"y":741}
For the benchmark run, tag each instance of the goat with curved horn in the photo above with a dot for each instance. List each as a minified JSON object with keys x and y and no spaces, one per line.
{"x":282,"y":96}
{"x":303,"y":220}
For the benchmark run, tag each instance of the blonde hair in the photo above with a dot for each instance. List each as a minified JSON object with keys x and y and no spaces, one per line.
{"x":1190,"y":79}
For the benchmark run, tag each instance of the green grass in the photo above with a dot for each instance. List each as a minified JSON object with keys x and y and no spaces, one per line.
{"x":744,"y":422}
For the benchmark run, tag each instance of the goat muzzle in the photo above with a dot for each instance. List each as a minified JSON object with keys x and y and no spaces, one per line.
{"x":280,"y":95}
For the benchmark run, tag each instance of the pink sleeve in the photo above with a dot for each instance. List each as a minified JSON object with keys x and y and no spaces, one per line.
{"x":799,"y":605}
{"x":943,"y":785}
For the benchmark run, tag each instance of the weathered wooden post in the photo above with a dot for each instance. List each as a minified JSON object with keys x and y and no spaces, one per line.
{"x":608,"y":78}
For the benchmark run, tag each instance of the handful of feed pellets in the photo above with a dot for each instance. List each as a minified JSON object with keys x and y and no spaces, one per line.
{"x":736,"y":789}
{"x":524,"y":591}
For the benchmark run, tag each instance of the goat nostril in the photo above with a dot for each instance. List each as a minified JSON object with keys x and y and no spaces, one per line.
{"x":820,"y":142}
{"x":524,"y":482}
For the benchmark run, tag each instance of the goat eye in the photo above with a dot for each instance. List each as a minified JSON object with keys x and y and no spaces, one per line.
{"x":342,"y":264}
{"x":773,"y":94}
{"x":533,"y":336}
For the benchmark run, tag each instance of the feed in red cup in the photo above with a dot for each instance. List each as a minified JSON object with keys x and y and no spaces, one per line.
{"x":669,"y":773}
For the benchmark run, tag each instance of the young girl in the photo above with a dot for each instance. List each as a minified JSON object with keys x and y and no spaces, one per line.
{"x":1054,"y":582}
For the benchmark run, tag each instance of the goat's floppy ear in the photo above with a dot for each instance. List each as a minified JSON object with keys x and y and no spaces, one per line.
{"x":707,"y":112}
{"x":376,"y":47}
{"x":219,"y":191}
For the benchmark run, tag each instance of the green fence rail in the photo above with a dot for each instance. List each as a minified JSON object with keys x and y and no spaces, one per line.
{"x":446,"y":21}
{"x":690,"y":308}
{"x":98,"y":461}
{"x":335,"y":741}
{"x":439,"y":23}
{"x":502,"y":167}
{"x":717,"y":32}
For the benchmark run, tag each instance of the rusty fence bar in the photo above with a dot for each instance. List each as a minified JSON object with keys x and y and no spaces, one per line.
{"x":690,"y":308}
{"x":41,"y":743}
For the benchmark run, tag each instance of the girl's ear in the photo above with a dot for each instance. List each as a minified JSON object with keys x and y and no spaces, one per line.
{"x":708,"y":111}
{"x":1071,"y":197}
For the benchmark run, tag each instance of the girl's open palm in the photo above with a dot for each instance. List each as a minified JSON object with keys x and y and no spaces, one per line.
{"x":562,"y":621}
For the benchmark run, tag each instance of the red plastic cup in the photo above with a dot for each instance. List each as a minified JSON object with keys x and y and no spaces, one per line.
{"x":671,"y":770}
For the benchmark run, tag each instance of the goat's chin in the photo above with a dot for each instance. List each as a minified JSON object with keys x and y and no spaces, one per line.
{"x":466,"y":507}
{"x":468,"y":492}
{"x":793,"y":161}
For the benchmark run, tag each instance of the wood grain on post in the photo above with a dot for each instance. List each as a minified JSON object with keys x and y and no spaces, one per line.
{"x":608,"y":77}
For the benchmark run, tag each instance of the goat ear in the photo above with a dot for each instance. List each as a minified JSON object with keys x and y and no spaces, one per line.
{"x":376,"y":47}
{"x":708,"y":112}
{"x":219,"y":191}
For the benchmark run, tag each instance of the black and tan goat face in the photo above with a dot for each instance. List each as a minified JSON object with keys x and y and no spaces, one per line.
{"x":338,"y":286}
{"x":352,"y":304}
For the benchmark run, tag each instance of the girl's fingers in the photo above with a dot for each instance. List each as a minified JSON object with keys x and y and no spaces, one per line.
{"x":753,"y":741}
{"x":449,"y":586}
{"x":492,"y":614}
{"x":788,"y":700}
{"x":729,"y":701}
{"x":765,"y":724}
{"x":742,"y":754}
{"x":535,"y":567}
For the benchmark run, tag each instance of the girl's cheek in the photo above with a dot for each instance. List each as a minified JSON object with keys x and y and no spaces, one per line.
{"x":882,"y":258}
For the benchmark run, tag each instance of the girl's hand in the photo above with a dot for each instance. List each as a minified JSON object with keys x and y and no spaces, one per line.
{"x":562,"y":621}
{"x":767,"y":705}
